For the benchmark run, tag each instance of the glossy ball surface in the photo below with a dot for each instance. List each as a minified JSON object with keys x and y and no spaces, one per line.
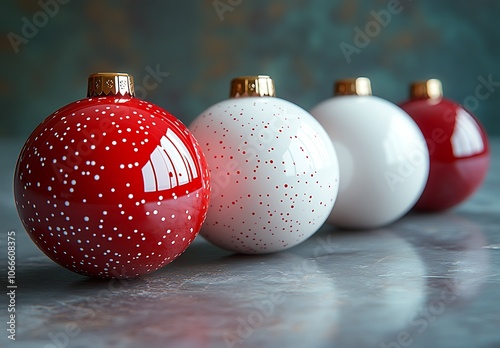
{"x":383,"y":160}
{"x":111,"y":187}
{"x":274,"y":174}
{"x":458,"y":148}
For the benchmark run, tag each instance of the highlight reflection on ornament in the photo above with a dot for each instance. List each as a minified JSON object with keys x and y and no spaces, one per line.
{"x":111,"y":186}
{"x":457,"y":143}
{"x":274,"y":170}
{"x":382,"y":155}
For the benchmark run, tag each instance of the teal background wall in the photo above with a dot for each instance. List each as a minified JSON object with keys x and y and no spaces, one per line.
{"x":196,"y":49}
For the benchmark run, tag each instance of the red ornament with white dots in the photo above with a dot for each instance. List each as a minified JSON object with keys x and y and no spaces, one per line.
{"x":274,"y":170}
{"x":112,"y":186}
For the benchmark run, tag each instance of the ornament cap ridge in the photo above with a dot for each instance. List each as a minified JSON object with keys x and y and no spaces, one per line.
{"x":252,"y":86}
{"x":109,"y":84}
{"x":353,"y":86}
{"x":426,"y":89}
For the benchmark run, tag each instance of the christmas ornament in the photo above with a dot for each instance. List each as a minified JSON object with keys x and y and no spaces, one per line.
{"x":457,"y":143}
{"x":274,"y":170}
{"x":382,"y":155}
{"x":111,"y":186}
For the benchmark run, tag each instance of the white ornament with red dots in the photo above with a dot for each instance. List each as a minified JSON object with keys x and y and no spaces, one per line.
{"x":274,"y":174}
{"x":112,"y":186}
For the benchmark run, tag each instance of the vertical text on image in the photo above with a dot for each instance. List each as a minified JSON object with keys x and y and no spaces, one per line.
{"x":11,"y":284}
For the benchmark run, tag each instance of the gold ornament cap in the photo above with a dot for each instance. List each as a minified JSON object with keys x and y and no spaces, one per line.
{"x":353,"y":86}
{"x":427,"y":89}
{"x":110,"y":84}
{"x":252,"y":86}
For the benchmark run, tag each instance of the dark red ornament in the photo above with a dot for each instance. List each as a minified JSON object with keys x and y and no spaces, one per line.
{"x":457,"y":143}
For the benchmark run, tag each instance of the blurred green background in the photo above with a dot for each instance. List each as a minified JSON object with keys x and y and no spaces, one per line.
{"x":183,"y":54}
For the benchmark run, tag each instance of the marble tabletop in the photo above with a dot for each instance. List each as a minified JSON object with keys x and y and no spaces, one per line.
{"x":424,"y":281}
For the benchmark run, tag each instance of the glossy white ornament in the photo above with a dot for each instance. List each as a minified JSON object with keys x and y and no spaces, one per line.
{"x":382,"y":154}
{"x":274,"y":170}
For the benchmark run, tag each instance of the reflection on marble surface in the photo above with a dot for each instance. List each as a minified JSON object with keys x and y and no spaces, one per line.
{"x":425,"y":281}
{"x":458,"y":244}
{"x":457,"y":264}
{"x":367,"y":270}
